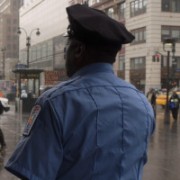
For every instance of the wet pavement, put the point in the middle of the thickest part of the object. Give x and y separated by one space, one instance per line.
164 148
164 151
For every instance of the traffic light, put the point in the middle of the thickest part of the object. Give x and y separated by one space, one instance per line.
156 57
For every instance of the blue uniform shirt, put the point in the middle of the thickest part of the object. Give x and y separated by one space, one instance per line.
94 126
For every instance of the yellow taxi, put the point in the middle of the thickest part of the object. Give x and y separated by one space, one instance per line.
161 97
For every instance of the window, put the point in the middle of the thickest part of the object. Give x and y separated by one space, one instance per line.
49 48
178 62
170 5
44 50
15 21
21 2
170 32
137 63
33 53
39 51
137 7
14 29
121 63
92 2
164 62
110 12
9 28
14 46
121 10
23 56
8 21
140 35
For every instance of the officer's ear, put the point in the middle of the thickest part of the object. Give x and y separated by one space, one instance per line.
79 52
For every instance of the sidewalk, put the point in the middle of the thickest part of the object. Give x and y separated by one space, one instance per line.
164 148
12 125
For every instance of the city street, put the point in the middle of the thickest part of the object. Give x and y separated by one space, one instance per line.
164 148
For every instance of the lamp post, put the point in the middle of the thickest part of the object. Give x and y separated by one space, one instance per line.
28 40
168 45
3 63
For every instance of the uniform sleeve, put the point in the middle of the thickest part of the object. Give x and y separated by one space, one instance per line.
38 155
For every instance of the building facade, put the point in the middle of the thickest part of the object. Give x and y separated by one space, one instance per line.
143 62
46 50
9 41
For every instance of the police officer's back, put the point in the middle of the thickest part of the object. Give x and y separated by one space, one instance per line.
94 126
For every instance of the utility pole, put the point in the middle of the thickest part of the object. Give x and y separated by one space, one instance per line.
168 45
3 50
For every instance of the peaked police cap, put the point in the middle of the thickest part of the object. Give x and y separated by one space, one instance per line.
94 26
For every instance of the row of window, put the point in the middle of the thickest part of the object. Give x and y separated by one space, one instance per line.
137 63
140 35
170 5
170 32
140 62
39 51
176 59
119 8
47 51
138 7
166 32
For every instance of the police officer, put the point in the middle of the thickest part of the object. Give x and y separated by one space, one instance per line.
174 102
151 95
93 126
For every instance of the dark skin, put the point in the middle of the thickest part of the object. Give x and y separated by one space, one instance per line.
75 56
80 54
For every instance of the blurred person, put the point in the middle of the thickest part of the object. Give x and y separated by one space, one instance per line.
1 94
2 140
93 126
174 102
151 96
31 94
24 94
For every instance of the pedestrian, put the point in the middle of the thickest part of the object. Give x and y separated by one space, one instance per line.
2 140
93 126
151 95
24 94
174 102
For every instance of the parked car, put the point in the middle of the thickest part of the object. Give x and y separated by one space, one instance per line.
5 103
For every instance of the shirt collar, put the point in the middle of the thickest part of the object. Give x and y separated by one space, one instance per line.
95 68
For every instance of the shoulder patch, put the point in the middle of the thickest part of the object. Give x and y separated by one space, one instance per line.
31 120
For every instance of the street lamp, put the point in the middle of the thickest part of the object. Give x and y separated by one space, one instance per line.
3 58
28 40
168 45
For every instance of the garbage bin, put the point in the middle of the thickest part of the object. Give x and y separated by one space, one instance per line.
27 104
